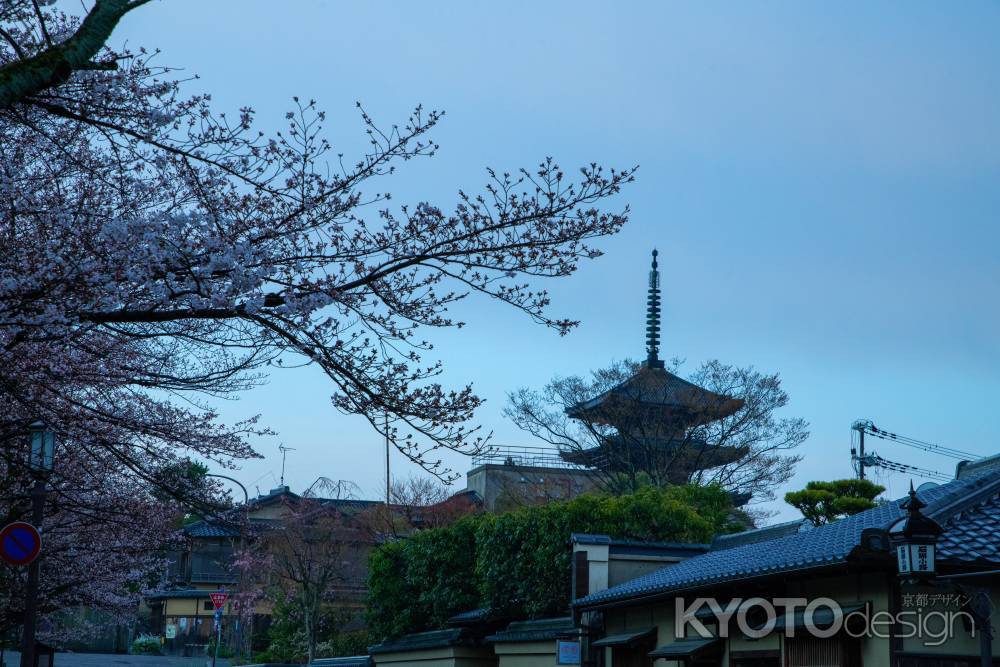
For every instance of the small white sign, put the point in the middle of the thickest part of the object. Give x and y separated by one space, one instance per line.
171 631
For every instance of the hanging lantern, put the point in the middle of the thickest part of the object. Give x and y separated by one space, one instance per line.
915 538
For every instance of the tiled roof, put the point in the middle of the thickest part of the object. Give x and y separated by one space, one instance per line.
537 630
638 547
426 640
206 529
968 508
966 468
759 534
661 388
973 534
471 616
685 648
350 661
185 593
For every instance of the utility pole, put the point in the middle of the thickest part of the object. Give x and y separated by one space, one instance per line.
387 483
860 426
861 454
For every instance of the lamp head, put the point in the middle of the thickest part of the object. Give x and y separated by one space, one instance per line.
43 447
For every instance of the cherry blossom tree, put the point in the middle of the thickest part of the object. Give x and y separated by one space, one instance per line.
157 255
154 245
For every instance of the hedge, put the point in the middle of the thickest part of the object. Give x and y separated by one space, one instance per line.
518 563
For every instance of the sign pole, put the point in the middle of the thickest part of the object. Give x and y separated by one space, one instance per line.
218 637
31 594
218 599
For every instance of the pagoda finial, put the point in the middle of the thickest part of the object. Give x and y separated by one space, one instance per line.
653 318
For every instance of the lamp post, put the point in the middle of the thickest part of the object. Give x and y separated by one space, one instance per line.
40 460
243 528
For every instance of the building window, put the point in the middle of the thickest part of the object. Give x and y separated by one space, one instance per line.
207 605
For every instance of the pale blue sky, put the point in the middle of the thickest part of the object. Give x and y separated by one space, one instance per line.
821 181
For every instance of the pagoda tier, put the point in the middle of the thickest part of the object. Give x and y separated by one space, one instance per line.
655 396
618 454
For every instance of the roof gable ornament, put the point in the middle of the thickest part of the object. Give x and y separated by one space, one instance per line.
653 318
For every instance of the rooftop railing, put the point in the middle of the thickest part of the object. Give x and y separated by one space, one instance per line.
523 456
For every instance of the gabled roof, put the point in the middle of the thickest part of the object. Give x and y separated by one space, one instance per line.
968 508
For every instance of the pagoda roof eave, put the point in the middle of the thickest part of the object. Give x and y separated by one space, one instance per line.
657 390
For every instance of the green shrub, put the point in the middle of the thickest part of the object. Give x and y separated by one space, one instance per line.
518 563
225 651
146 645
287 638
420 582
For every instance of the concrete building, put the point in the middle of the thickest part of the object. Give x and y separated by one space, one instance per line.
509 477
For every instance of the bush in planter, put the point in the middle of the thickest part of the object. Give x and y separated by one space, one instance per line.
224 650
146 645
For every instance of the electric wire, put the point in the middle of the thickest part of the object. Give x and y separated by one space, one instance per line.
895 466
950 452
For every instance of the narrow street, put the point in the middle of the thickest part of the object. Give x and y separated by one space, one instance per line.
12 659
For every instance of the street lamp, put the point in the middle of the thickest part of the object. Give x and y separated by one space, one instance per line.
43 445
243 528
915 538
40 461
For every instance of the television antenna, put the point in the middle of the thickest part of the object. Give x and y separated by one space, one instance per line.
284 452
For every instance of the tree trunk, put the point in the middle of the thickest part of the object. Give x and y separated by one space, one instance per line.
24 78
310 628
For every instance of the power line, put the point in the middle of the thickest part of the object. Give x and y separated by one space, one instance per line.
874 460
888 436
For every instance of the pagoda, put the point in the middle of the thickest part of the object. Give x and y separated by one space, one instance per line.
649 421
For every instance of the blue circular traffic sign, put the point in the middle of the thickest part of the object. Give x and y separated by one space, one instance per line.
20 543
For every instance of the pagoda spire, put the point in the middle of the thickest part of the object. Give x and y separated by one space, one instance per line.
653 318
